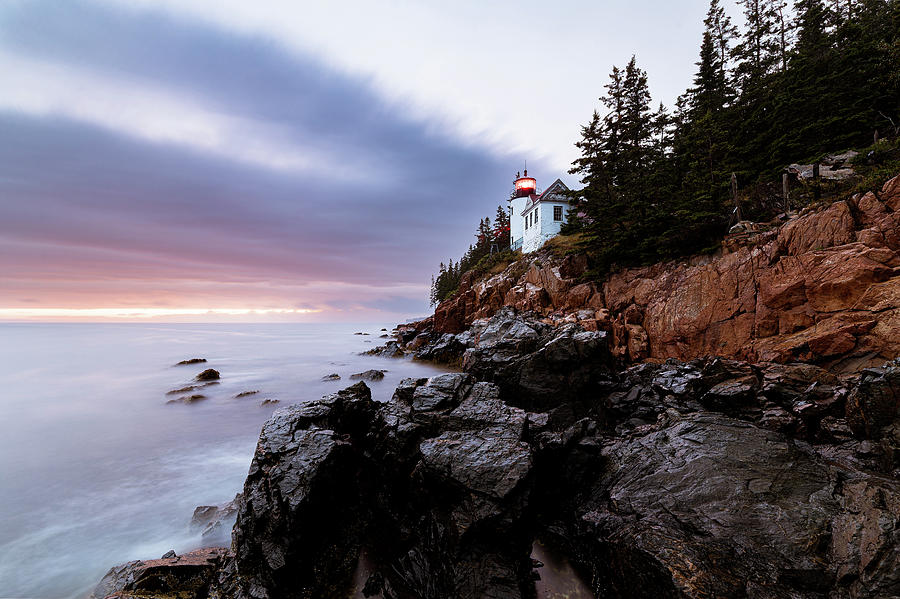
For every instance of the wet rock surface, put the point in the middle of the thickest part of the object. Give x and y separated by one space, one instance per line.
175 577
708 478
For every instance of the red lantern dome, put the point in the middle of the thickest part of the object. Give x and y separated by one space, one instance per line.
525 185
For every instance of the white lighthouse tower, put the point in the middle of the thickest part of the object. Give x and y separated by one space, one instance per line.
525 188
533 218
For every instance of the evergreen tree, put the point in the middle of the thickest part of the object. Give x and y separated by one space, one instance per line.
756 57
783 31
757 52
619 201
500 232
723 33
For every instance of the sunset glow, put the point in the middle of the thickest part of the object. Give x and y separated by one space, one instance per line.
274 163
140 313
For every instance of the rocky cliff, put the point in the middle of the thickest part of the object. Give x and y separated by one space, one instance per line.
821 288
711 478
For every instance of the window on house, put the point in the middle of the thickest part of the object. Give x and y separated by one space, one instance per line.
557 213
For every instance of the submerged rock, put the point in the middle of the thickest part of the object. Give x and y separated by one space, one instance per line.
188 399
246 394
332 377
210 374
368 375
191 361
391 349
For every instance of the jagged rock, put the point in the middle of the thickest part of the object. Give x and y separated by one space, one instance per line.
532 362
874 403
442 391
391 349
406 388
487 461
864 548
216 521
187 575
293 536
185 389
210 374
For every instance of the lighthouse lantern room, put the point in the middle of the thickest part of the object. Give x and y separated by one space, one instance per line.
525 185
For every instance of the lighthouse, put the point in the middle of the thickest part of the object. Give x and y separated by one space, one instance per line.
534 218
525 188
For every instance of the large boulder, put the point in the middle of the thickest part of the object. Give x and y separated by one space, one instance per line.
434 483
537 366
292 536
704 508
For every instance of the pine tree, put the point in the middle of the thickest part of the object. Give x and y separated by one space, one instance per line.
500 232
757 52
703 150
619 200
783 31
756 58
432 297
723 33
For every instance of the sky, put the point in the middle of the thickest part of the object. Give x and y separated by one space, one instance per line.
194 160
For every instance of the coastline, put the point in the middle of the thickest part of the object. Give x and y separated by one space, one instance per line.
670 476
99 468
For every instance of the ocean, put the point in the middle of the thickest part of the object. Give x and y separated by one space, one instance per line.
96 468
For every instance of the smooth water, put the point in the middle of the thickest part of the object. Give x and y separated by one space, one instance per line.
97 469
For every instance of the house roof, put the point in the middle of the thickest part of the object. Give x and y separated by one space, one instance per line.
554 193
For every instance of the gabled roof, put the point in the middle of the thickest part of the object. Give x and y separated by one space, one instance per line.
555 193
556 188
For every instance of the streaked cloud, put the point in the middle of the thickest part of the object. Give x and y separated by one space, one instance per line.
295 161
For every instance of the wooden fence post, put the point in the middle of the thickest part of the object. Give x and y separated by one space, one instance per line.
817 193
734 197
786 191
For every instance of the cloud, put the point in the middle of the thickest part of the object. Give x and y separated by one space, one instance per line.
145 159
